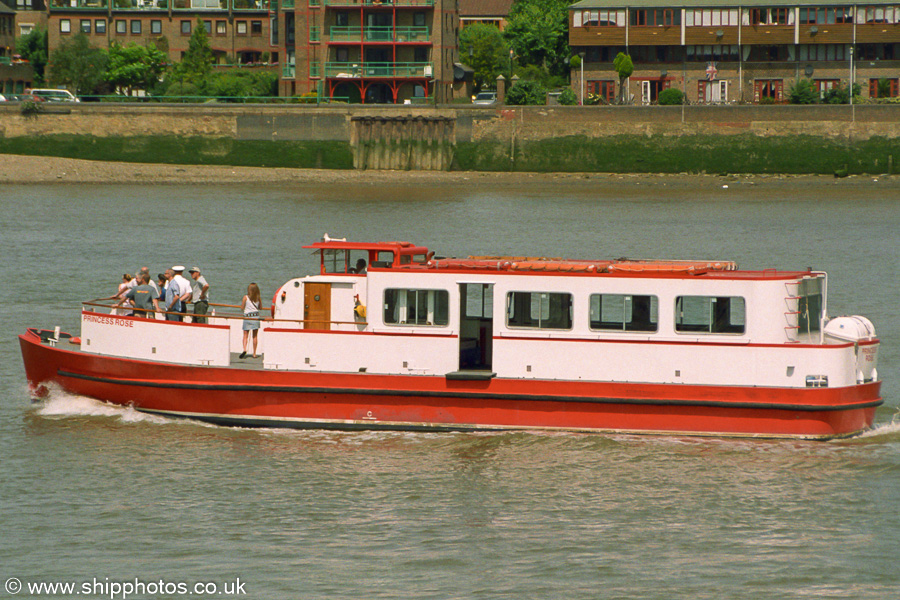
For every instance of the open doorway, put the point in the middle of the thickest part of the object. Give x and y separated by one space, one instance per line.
476 326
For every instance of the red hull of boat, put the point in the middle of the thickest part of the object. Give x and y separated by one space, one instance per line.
359 400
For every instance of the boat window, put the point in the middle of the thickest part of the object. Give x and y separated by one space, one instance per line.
384 259
540 310
416 307
809 305
620 312
709 314
335 261
419 259
343 261
479 301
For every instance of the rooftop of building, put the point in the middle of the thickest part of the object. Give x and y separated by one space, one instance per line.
484 8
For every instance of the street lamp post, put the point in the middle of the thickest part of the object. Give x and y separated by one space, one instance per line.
850 88
581 88
510 63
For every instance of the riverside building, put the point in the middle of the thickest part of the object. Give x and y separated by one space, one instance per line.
382 51
238 29
370 51
720 52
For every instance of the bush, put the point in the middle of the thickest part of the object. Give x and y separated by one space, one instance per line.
803 92
568 97
307 98
671 97
526 92
838 94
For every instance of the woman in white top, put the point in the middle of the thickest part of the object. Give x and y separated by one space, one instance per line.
250 307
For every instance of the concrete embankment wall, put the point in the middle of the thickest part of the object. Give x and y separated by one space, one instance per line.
714 139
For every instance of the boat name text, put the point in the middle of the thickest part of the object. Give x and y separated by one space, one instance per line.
109 320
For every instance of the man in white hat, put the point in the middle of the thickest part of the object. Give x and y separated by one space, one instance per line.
184 287
199 294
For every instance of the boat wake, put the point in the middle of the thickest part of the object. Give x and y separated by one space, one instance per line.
63 404
886 432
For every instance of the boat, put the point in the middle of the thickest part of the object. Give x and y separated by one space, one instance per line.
389 336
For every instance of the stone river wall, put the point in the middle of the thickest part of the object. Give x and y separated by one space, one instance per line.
714 139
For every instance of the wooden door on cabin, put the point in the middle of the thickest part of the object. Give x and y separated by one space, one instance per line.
317 306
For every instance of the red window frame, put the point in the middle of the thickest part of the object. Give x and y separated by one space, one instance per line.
605 88
894 91
776 86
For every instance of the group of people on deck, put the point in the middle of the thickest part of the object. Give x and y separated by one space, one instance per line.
171 294
142 296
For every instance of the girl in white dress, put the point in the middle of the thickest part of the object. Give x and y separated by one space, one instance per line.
250 308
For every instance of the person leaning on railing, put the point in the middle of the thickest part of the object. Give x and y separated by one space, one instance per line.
199 294
144 297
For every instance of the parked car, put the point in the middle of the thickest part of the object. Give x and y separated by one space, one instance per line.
3 98
485 98
54 95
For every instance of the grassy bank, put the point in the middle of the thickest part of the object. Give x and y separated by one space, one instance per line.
615 154
682 154
186 150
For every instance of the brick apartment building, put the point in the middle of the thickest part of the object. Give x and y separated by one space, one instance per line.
717 52
238 29
383 51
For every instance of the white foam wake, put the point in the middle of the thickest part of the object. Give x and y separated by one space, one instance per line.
886 431
63 404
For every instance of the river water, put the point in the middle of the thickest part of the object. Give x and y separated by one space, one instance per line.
101 496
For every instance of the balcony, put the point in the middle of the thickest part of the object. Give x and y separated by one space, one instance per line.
85 4
199 4
379 3
379 34
288 71
346 70
250 4
315 34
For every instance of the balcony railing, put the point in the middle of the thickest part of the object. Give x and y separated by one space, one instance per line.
379 3
250 4
315 70
393 70
199 4
85 4
287 4
379 34
288 71
315 34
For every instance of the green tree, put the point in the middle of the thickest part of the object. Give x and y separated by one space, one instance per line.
197 63
243 83
33 48
527 92
538 31
803 92
134 67
489 53
624 67
78 65
839 95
